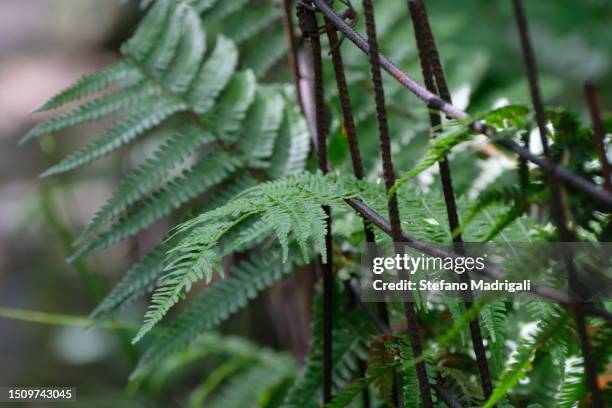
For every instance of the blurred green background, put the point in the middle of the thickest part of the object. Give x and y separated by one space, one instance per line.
47 44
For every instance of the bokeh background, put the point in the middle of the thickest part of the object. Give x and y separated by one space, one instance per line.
45 45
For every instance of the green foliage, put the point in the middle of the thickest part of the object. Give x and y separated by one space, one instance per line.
230 152
216 304
506 120
351 332
522 357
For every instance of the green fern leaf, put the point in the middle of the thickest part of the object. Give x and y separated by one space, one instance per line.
148 175
196 260
138 281
96 109
440 147
120 73
573 387
292 145
246 23
262 56
124 132
163 54
150 30
214 75
347 395
244 283
209 171
226 119
493 317
186 63
521 358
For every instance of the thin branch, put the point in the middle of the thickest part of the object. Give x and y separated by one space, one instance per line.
435 81
599 133
350 130
351 134
389 176
308 23
556 204
453 112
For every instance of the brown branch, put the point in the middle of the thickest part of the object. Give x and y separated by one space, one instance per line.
565 234
435 81
453 112
599 133
308 23
389 177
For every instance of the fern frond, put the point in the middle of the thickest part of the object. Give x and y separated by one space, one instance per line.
96 109
233 104
261 56
143 275
213 76
139 280
209 171
121 73
122 133
493 317
521 358
288 205
292 145
261 128
244 283
149 31
195 261
573 387
246 23
148 175
439 148
507 120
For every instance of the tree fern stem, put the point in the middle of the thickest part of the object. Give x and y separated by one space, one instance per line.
389 176
350 129
599 133
435 102
557 210
308 24
435 82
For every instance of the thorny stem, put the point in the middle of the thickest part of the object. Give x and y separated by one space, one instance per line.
308 24
556 208
599 133
435 81
350 130
389 176
453 112
351 133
